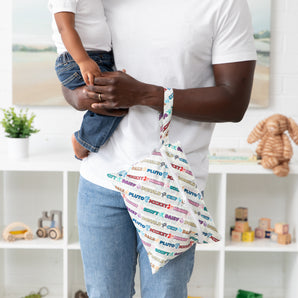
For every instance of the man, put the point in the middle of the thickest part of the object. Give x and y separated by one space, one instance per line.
205 51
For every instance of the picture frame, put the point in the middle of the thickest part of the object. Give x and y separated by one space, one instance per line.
261 20
34 81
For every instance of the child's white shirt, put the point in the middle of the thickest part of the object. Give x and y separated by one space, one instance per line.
90 23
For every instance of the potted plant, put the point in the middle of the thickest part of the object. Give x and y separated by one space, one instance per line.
18 127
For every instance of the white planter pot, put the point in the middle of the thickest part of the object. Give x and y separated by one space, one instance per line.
18 148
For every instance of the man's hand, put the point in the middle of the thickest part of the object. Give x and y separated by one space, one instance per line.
118 90
80 101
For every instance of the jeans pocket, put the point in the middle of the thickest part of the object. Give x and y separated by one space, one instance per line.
65 67
104 61
73 81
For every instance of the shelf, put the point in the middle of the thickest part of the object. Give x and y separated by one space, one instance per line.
37 243
45 155
74 246
260 245
53 162
48 180
245 168
210 247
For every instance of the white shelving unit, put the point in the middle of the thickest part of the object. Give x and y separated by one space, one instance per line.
49 181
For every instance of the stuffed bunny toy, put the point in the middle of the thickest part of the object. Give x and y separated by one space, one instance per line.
275 147
81 294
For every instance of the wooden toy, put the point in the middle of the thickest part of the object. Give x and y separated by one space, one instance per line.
236 236
247 294
275 146
241 226
248 236
281 228
273 236
265 223
231 230
268 233
284 238
17 230
81 294
241 213
41 293
55 230
259 233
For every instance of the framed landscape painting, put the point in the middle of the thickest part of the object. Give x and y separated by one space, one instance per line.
34 54
261 18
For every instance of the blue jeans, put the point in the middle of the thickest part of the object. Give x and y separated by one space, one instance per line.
95 129
110 246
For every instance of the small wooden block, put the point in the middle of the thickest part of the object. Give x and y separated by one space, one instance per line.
273 236
248 236
241 213
281 228
231 230
268 233
259 233
265 223
241 226
284 238
236 236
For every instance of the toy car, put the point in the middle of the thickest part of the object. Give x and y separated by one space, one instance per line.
54 231
10 233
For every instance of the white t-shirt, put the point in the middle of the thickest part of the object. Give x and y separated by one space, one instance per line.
170 43
90 23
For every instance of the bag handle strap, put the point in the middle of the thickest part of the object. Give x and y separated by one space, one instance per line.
166 116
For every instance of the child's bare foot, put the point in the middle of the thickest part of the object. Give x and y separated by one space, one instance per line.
78 149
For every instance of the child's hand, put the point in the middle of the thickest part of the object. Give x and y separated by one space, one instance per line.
89 70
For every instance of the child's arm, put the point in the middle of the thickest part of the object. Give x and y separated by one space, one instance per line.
66 25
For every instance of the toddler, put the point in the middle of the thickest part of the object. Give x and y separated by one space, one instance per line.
82 37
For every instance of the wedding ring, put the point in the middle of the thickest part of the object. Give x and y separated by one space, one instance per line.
99 97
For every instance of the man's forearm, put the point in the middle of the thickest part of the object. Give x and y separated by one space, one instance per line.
212 104
76 98
227 101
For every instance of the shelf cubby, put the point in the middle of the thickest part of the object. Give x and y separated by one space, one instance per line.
268 273
27 271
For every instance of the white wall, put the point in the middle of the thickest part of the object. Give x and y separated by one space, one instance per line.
283 90
284 78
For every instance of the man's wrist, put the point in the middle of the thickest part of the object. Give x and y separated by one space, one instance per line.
153 97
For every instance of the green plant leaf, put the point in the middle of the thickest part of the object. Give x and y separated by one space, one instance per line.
18 125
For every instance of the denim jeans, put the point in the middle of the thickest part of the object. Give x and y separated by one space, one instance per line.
95 129
68 71
110 247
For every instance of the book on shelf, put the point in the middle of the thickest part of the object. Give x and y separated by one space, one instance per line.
232 155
